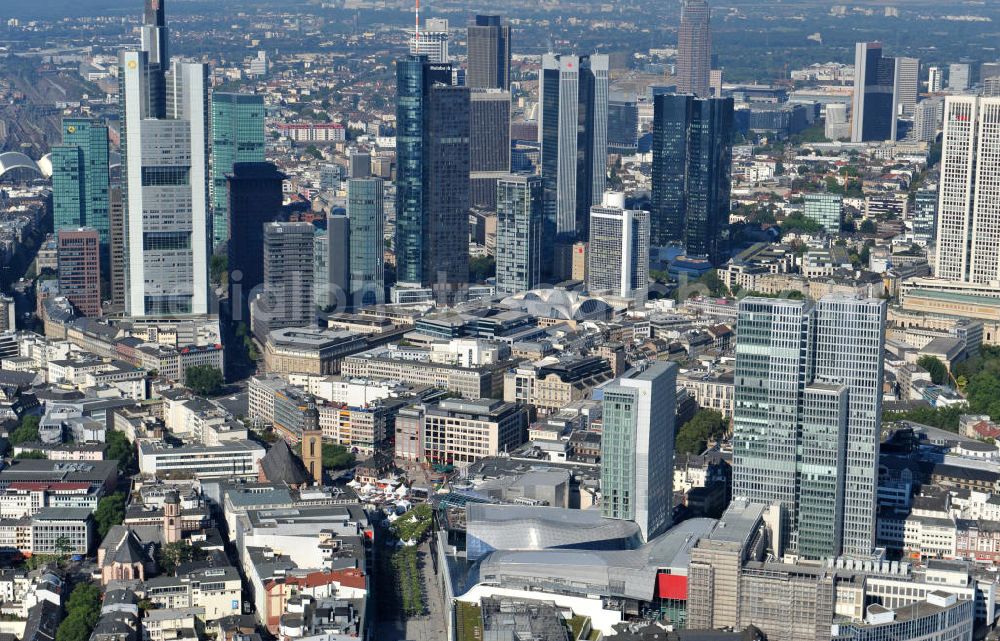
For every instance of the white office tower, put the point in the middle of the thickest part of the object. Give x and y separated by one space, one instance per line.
808 403
959 77
618 253
935 80
927 119
837 125
432 40
907 85
968 238
164 134
637 448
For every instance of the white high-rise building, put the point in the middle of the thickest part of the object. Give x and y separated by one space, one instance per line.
959 76
927 118
618 253
935 80
432 40
907 85
164 132
968 234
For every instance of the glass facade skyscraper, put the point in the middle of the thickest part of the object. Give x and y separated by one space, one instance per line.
254 198
573 132
692 174
694 49
432 176
81 177
366 208
825 209
637 448
489 144
237 136
806 422
873 116
489 54
519 233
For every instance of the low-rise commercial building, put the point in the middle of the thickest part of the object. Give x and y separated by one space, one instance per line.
235 459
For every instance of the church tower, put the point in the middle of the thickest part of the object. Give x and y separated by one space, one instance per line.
312 444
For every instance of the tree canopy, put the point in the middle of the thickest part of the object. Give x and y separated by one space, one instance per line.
934 366
704 426
110 511
83 608
26 432
203 379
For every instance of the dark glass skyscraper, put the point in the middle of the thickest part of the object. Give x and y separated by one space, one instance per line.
237 136
489 144
489 54
873 117
367 266
573 131
694 49
692 174
80 177
254 195
432 176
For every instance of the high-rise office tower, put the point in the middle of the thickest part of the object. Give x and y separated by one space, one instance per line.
618 250
807 415
287 299
873 117
926 118
366 208
692 174
81 177
637 448
573 132
623 127
907 85
968 228
237 136
359 164
79 266
520 211
959 76
331 262
489 54
489 144
935 80
432 41
164 140
254 194
694 49
432 179
116 241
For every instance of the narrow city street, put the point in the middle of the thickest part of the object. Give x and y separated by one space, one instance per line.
393 625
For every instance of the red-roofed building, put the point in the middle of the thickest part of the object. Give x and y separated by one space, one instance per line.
350 583
26 498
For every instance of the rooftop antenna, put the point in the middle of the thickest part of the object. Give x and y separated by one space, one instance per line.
416 28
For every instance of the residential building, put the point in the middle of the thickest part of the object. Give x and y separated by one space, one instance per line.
694 49
935 80
637 448
959 76
692 174
968 234
618 251
489 49
573 133
520 209
470 380
873 116
79 257
237 136
366 209
807 415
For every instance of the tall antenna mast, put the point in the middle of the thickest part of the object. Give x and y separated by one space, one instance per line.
416 29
